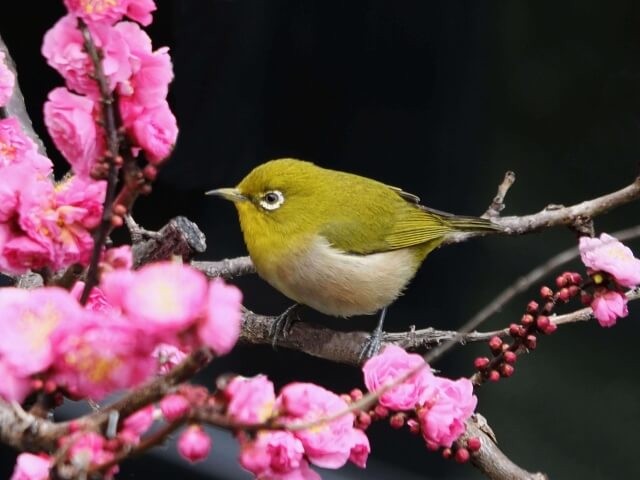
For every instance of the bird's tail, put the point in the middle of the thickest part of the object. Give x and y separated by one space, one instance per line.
472 224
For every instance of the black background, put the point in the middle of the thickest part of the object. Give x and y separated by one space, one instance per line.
441 98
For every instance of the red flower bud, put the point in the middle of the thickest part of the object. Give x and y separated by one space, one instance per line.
526 320
573 290
381 412
552 327
546 292
561 281
532 306
514 330
493 376
542 322
474 444
481 362
506 370
576 278
510 357
495 343
586 299
564 294
414 426
364 420
356 394
531 342
447 453
462 455
50 386
397 420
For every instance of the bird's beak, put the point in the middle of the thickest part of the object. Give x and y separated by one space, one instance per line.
231 194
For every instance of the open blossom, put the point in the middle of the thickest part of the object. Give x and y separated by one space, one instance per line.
194 444
110 11
391 364
16 147
70 120
251 400
444 415
276 455
156 131
167 356
32 467
89 449
99 355
329 444
608 306
609 255
29 319
221 326
63 48
162 298
7 81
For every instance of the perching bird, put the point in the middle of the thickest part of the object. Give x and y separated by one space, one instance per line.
340 243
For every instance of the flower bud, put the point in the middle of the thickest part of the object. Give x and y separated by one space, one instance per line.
495 344
564 294
414 426
561 281
474 444
546 292
531 342
194 444
526 320
532 306
462 455
510 357
174 406
586 299
397 420
576 278
514 330
573 290
552 327
447 453
506 370
481 362
493 376
542 322
356 394
364 420
381 412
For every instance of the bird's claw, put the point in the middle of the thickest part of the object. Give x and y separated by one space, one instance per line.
282 324
371 345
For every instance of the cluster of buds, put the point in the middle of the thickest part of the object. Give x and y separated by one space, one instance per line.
535 321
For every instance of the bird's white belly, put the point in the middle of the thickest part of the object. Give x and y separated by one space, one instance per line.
342 284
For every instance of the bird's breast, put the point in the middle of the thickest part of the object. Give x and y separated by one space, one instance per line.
338 283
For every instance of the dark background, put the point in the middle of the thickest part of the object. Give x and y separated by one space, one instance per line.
441 98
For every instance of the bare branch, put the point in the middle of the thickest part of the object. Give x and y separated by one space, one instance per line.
497 205
227 268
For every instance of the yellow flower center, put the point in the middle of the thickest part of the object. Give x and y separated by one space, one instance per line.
97 6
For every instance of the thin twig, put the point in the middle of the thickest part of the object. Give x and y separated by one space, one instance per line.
113 147
498 202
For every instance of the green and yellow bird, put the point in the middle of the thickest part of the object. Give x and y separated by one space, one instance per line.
340 243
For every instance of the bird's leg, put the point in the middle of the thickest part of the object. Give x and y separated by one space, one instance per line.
283 322
373 343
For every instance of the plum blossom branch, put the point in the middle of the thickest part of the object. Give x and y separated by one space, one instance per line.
113 147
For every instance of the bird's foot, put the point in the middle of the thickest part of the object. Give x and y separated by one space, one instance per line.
373 343
282 324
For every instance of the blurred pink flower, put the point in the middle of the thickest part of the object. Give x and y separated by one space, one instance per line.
156 130
89 449
96 302
608 306
444 415
29 319
174 406
12 387
360 448
71 122
251 400
63 48
609 255
100 355
329 444
117 258
167 356
110 11
7 81
194 444
136 424
221 326
276 455
156 297
32 467
391 364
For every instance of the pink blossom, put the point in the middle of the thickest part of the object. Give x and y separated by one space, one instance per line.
137 424
194 444
32 467
174 406
13 388
7 81
117 258
100 355
329 444
360 448
110 11
89 449
64 50
167 357
391 364
221 327
156 131
608 306
276 455
444 415
156 297
71 122
28 320
609 255
21 253
96 302
251 400
16 148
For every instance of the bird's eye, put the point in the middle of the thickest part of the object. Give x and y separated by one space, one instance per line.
272 200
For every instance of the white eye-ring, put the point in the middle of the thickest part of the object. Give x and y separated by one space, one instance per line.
272 200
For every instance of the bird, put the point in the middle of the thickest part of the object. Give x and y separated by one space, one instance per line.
340 243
